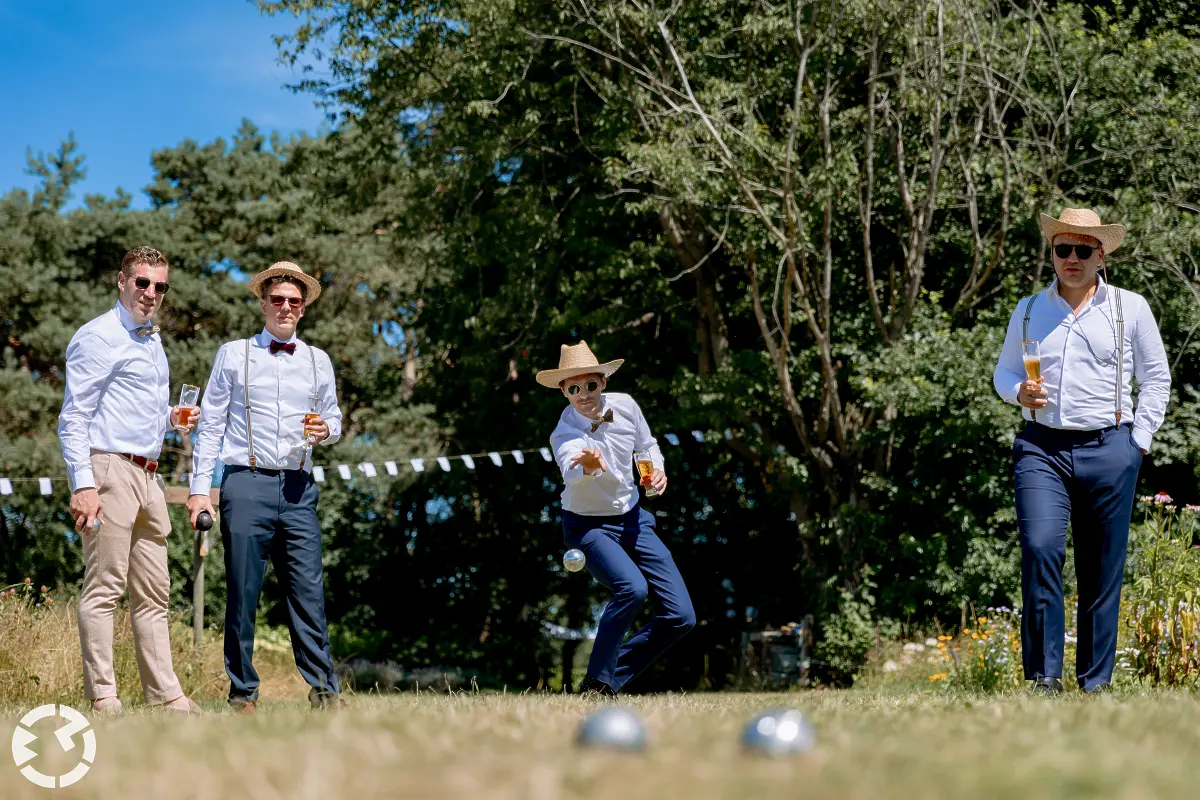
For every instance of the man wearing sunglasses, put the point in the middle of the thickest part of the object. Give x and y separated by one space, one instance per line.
594 444
268 400
114 417
1069 359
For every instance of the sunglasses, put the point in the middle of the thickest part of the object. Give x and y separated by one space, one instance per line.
575 388
1084 251
144 284
278 301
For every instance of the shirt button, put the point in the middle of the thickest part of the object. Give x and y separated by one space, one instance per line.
616 503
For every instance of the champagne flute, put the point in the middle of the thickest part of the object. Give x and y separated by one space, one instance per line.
189 403
1031 354
645 468
311 417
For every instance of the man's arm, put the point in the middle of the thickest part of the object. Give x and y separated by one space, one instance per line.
1153 375
1010 367
643 439
568 446
327 404
89 366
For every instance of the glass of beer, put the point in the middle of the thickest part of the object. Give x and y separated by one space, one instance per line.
645 468
311 418
1032 355
189 402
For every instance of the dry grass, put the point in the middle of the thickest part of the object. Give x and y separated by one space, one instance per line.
870 745
40 660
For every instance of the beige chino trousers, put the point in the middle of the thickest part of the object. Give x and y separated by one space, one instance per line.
128 550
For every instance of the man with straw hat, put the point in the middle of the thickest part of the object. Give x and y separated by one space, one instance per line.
1067 360
269 399
594 445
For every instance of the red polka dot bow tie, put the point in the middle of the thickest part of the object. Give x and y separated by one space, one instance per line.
288 348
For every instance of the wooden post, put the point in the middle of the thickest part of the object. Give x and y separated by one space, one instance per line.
178 495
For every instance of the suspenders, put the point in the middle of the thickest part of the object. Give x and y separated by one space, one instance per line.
1120 321
246 393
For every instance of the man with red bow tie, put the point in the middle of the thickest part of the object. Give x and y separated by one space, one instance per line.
269 399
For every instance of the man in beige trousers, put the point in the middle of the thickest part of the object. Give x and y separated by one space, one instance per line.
114 417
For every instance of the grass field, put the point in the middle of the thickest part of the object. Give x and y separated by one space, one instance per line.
871 744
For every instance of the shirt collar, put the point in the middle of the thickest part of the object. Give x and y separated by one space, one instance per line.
1100 296
587 421
126 318
265 338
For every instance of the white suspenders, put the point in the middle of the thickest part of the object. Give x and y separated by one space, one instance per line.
1120 322
246 393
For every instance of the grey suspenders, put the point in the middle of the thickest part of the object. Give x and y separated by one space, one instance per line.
1120 345
246 390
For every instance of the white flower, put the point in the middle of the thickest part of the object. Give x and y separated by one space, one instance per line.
891 666
931 642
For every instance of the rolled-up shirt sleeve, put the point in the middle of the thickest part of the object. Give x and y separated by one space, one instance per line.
210 430
1153 375
1010 367
566 443
328 407
89 366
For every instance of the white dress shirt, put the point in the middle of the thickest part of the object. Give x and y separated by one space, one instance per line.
1079 362
281 391
118 394
608 493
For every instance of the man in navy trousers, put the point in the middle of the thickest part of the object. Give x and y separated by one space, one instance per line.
1078 457
594 445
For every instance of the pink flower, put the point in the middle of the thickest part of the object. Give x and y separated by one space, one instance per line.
1191 508
1162 498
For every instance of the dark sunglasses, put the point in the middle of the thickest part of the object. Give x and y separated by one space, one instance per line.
575 388
278 301
144 284
1084 251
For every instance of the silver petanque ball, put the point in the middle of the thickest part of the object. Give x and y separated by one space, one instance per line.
574 560
778 732
613 729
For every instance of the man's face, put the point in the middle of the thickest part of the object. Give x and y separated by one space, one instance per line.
1074 271
142 302
583 392
283 306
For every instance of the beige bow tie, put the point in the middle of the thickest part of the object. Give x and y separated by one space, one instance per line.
146 330
607 417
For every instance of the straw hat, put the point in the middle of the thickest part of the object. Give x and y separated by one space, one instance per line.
1085 222
286 268
576 360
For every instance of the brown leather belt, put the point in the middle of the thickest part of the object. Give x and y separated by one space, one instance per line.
139 461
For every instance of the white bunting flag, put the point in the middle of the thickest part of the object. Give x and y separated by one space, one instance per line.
672 438
545 451
5 486
368 469
470 462
390 466
728 435
344 471
444 463
45 484
519 456
698 436
495 457
319 474
418 464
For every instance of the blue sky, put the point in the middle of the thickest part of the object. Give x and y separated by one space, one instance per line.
133 76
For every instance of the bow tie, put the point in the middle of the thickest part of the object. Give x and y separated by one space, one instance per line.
145 330
288 348
607 417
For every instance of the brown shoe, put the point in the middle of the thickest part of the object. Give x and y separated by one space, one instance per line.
184 705
325 701
244 706
106 705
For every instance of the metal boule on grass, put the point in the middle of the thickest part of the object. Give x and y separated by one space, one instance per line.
778 732
574 560
613 729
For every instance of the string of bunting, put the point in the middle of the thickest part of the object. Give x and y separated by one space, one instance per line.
370 469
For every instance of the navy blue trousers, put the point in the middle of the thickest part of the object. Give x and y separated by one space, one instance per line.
1087 479
625 554
271 515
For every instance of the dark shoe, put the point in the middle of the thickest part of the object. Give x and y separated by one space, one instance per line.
591 686
243 705
325 701
1050 687
1104 688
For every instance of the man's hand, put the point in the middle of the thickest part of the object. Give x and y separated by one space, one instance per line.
658 481
1031 395
191 420
197 503
591 461
317 431
85 508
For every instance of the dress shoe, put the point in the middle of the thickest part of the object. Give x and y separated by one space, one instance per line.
1050 687
1103 688
243 706
184 705
325 701
106 705
595 688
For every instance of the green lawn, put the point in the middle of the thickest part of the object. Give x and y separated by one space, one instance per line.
871 744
